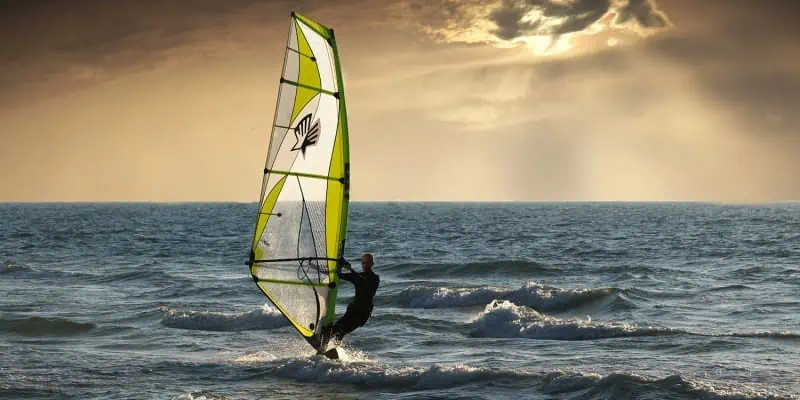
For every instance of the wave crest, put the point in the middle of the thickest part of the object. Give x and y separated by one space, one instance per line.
508 320
532 294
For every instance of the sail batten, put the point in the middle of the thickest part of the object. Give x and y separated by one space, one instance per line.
309 87
300 231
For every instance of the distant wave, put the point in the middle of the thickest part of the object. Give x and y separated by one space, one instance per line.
11 267
726 288
767 274
765 334
504 319
26 390
144 273
632 271
410 321
595 252
748 272
510 268
40 326
259 319
532 294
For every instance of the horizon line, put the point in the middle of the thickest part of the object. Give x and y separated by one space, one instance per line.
178 202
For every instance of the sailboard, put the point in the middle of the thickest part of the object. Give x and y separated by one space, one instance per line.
301 226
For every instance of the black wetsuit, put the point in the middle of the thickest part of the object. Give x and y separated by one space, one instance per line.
360 309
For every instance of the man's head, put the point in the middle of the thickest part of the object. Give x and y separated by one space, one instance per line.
367 261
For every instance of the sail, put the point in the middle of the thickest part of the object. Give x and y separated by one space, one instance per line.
302 218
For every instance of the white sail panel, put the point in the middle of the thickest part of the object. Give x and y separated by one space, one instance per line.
321 51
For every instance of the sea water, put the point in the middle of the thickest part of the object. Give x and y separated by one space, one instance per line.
477 300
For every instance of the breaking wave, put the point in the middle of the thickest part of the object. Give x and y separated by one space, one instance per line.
504 319
534 295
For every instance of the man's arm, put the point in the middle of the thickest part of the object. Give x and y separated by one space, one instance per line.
352 276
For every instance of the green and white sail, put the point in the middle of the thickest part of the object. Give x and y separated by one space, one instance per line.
300 232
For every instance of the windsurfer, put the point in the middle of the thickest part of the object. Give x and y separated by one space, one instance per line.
360 309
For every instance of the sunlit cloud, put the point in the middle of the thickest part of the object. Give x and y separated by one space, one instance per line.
545 27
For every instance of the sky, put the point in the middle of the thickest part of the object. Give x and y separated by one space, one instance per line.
448 100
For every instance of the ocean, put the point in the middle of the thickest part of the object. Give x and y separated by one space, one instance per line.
477 300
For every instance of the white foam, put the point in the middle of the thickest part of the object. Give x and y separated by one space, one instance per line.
258 319
508 320
254 358
532 294
201 395
724 390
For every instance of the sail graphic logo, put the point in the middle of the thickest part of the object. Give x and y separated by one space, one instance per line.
306 133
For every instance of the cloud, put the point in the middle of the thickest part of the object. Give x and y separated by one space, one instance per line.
703 114
642 15
53 47
544 25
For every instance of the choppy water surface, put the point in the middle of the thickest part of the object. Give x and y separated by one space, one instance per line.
540 301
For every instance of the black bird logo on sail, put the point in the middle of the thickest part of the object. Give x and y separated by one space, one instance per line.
306 133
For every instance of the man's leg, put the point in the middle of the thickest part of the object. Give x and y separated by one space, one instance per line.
352 319
348 323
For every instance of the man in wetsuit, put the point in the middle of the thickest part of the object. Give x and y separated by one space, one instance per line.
360 309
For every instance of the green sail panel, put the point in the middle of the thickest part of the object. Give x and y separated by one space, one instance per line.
301 226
